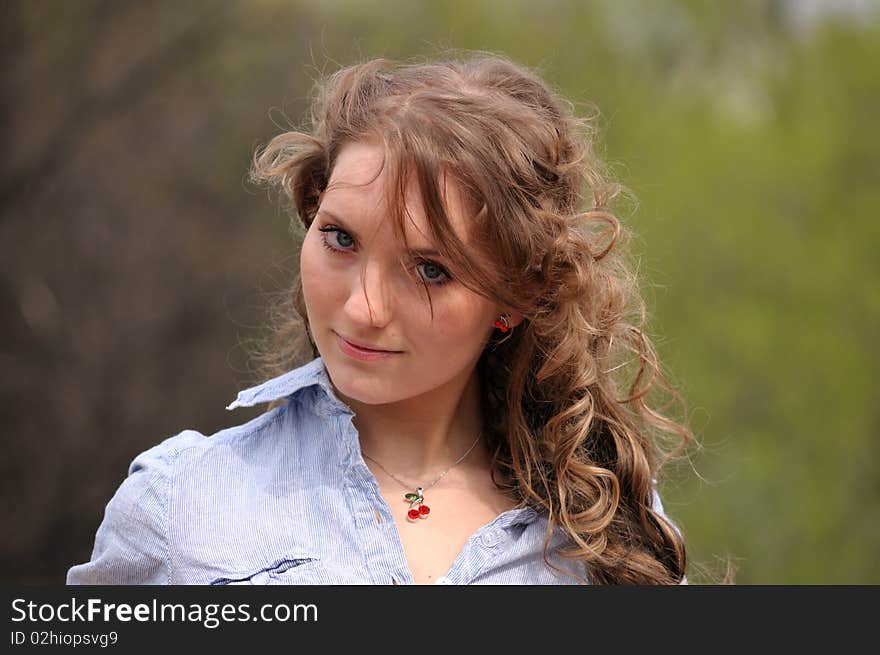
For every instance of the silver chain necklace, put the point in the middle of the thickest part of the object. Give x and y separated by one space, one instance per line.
416 500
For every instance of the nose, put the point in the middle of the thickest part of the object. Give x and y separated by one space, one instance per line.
371 300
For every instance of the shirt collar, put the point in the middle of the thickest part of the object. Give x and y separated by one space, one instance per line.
311 374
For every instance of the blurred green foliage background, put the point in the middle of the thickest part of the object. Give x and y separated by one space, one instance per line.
135 263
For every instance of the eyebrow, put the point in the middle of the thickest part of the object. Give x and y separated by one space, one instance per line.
423 252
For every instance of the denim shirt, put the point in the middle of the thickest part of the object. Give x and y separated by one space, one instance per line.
286 498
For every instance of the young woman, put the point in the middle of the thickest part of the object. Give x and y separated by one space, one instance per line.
461 328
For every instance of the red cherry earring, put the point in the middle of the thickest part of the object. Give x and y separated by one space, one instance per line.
502 323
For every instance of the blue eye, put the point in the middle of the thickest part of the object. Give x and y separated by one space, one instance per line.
339 233
344 237
433 273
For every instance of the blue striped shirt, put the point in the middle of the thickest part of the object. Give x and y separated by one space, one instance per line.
286 498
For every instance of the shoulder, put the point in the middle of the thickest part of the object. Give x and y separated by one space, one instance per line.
188 484
162 456
160 460
134 543
131 544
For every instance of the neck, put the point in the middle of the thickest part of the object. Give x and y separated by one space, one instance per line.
419 438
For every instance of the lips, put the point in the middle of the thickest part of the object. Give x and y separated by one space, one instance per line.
361 346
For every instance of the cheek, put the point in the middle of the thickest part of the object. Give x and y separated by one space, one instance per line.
313 273
460 320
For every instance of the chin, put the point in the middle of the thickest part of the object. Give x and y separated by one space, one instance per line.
364 393
360 385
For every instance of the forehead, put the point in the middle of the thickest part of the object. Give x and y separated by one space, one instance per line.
355 192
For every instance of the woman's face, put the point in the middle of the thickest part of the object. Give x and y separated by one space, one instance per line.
350 255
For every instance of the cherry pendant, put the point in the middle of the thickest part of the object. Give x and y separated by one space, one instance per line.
417 508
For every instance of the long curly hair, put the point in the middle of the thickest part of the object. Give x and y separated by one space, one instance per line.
564 439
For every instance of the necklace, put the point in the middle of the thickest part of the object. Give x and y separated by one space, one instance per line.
416 500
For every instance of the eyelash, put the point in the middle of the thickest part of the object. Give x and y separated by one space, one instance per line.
339 251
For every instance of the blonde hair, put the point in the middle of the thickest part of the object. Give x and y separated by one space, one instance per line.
562 437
